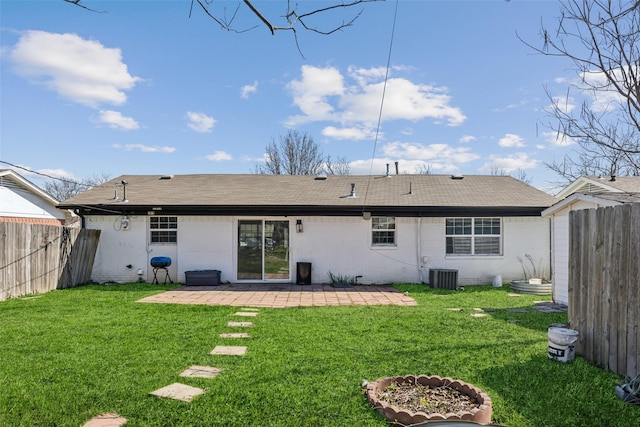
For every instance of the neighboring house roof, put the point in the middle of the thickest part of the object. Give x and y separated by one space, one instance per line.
595 184
401 195
597 199
23 201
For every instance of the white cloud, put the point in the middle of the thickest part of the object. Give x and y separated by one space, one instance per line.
464 139
558 139
324 94
58 173
83 71
565 104
218 156
248 89
511 140
509 163
116 120
145 148
351 133
410 166
439 153
200 122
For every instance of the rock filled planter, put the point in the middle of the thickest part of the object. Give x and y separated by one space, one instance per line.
434 399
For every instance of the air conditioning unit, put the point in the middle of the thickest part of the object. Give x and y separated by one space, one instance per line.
443 278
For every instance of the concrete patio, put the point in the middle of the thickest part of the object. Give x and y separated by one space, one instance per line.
282 295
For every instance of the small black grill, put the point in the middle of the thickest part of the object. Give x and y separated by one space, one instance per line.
160 263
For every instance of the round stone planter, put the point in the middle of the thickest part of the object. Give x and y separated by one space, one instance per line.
403 417
525 287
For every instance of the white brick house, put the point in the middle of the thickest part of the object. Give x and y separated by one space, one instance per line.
256 228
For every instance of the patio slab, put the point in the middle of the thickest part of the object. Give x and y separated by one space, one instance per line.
201 372
240 324
234 335
262 295
109 419
225 350
177 391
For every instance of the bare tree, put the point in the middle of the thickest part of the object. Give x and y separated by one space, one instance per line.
423 169
602 40
338 167
519 174
298 154
291 17
63 189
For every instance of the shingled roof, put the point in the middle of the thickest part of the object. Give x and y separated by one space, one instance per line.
408 195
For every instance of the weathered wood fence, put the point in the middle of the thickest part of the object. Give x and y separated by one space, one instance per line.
38 258
604 286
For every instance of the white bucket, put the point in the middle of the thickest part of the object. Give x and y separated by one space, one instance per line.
562 344
497 281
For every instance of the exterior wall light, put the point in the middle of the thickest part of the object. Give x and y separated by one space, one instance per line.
299 227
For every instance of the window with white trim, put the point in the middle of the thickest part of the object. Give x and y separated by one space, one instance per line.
383 231
474 236
163 229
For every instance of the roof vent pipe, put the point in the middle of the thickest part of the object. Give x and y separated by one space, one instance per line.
396 168
387 175
410 189
613 178
353 190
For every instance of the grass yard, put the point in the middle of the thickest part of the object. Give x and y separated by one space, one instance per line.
69 355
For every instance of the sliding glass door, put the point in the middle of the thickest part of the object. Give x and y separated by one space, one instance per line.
263 250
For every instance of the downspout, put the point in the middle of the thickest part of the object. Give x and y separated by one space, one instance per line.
419 249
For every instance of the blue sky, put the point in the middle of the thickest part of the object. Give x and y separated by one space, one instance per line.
146 89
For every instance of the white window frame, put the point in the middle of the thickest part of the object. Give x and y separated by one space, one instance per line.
473 236
389 228
168 228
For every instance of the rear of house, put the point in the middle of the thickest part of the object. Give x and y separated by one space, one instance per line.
263 228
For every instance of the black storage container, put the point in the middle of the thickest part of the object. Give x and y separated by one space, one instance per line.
202 277
303 273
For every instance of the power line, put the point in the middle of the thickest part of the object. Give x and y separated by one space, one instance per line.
68 181
384 90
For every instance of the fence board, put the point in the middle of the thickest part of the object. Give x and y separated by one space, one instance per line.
604 277
35 258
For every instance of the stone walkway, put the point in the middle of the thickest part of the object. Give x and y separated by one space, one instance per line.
282 296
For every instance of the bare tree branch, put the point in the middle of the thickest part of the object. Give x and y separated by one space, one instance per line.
602 40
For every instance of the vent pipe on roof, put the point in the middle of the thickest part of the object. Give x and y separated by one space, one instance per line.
396 168
353 190
387 174
613 178
410 189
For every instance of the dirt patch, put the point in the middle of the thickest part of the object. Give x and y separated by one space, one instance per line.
430 400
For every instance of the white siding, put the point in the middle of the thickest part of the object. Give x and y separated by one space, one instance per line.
560 248
341 245
16 202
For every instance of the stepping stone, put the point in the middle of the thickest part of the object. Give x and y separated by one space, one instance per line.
513 295
249 309
517 310
108 419
240 324
178 391
235 335
478 314
486 310
454 309
246 313
201 372
229 350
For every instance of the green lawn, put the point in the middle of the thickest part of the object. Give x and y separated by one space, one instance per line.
69 355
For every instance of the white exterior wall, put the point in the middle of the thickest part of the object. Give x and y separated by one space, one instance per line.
24 204
341 245
560 248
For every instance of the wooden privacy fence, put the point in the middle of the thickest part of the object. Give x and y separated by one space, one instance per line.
37 258
604 283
